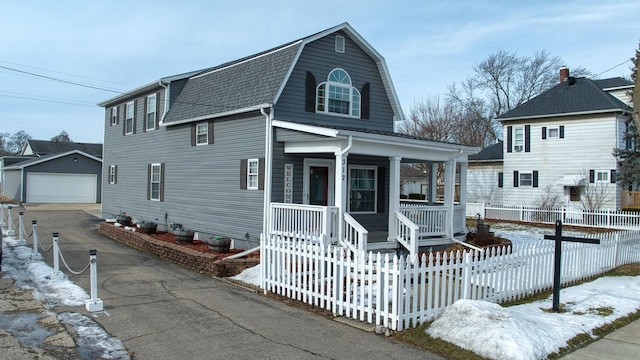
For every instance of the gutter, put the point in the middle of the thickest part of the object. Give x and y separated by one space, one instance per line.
166 100
268 117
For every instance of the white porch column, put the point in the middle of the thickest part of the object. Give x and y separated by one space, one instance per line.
463 183
449 190
433 183
340 193
394 192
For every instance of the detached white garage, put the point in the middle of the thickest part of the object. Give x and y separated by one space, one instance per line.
61 188
71 177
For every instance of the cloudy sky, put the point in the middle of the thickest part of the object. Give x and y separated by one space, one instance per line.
59 58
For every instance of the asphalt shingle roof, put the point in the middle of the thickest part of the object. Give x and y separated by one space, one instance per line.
493 152
583 95
45 147
240 84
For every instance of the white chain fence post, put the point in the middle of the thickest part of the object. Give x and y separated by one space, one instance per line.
10 232
57 274
1 216
21 240
35 255
94 304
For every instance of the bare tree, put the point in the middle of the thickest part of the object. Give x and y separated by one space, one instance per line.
17 141
635 76
62 137
595 194
4 144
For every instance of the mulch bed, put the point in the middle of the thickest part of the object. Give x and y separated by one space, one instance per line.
198 245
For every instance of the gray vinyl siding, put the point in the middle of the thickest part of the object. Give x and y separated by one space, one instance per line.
201 183
66 165
319 57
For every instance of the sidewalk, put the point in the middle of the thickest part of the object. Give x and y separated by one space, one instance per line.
623 343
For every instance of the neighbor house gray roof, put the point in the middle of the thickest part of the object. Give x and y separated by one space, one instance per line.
494 152
571 97
44 147
37 160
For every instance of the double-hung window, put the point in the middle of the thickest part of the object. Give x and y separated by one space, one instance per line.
128 121
114 115
202 133
518 139
337 95
252 174
362 189
526 179
112 174
155 182
151 112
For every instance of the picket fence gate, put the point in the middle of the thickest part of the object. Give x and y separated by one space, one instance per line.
396 293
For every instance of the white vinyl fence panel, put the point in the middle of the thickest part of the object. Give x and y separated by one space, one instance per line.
397 292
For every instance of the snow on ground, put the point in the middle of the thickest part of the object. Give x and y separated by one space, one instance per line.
93 342
529 331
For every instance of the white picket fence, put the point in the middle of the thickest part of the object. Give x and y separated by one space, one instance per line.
398 293
612 219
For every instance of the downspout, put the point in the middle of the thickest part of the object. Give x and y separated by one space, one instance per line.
268 117
166 100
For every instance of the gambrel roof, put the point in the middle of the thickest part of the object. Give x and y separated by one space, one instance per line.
257 81
249 83
574 96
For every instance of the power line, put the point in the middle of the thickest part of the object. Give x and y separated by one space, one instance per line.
44 98
622 63
61 80
60 72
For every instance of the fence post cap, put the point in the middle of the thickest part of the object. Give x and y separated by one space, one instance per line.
93 252
34 221
55 234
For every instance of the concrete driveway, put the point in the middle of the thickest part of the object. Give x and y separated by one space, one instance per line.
162 311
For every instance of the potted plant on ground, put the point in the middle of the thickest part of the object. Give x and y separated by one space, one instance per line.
147 227
219 244
182 235
124 219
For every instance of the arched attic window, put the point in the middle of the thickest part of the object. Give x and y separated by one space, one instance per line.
337 95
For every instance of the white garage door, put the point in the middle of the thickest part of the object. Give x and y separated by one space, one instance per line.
61 188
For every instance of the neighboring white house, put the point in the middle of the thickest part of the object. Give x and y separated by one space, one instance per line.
485 175
560 142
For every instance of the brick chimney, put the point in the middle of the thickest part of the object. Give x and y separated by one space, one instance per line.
564 74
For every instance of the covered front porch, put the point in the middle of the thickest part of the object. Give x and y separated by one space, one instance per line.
348 190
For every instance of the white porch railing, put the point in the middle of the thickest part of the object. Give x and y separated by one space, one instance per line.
355 236
431 220
406 233
312 222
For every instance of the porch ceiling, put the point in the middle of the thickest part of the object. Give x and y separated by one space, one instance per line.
305 139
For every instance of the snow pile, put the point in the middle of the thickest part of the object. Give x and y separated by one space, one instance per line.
532 331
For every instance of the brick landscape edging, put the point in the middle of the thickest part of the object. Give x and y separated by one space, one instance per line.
204 263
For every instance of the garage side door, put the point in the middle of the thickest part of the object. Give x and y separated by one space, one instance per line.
61 188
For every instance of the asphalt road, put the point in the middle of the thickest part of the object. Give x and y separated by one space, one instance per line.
162 311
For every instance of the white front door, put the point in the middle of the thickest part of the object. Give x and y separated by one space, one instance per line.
319 183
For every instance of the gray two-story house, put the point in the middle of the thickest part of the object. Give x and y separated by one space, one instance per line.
298 139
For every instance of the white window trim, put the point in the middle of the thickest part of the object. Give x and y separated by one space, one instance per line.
250 174
375 188
206 133
557 130
530 173
130 105
159 181
352 92
602 181
518 147
114 115
340 44
151 110
112 174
